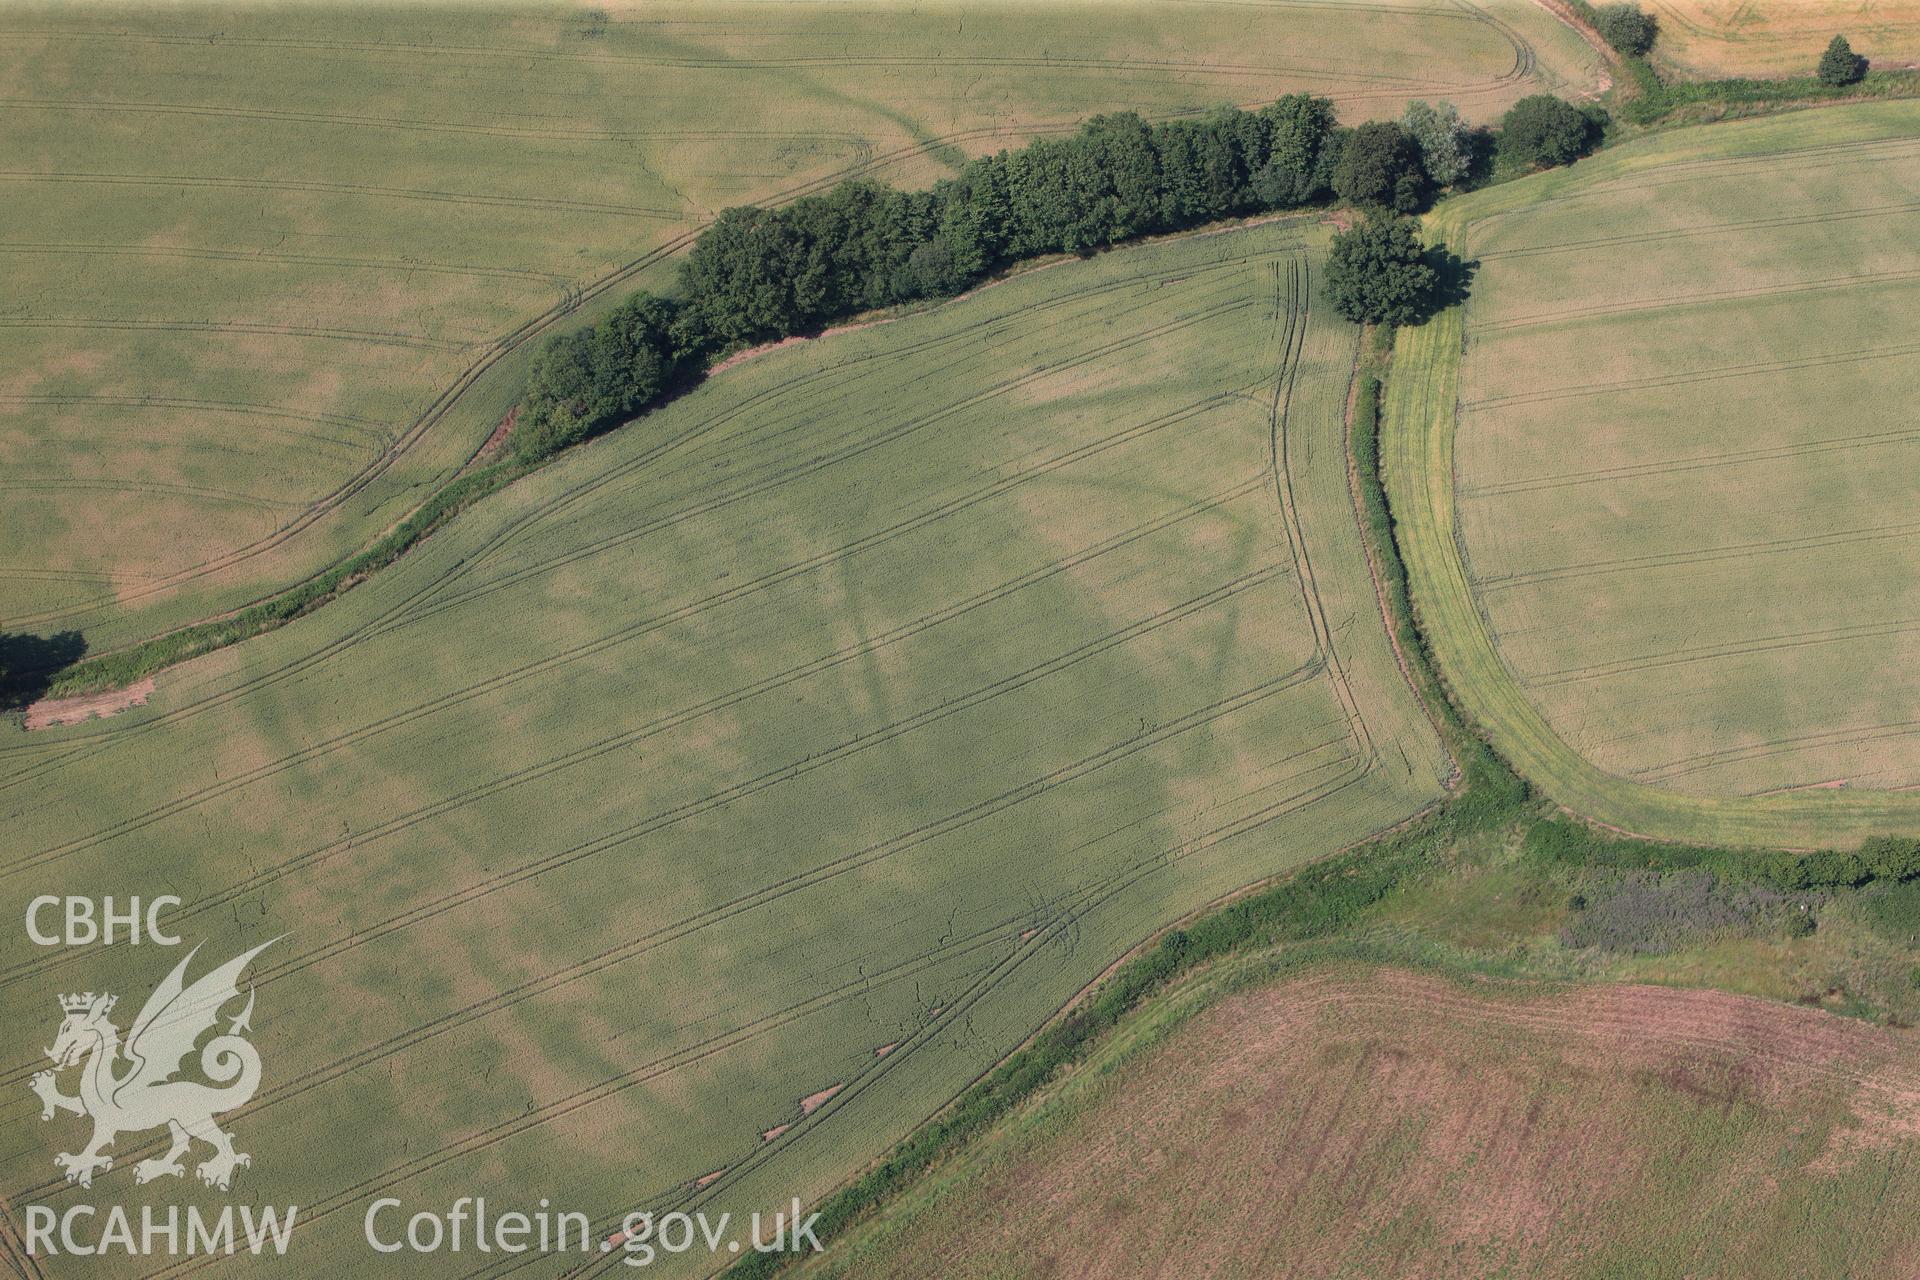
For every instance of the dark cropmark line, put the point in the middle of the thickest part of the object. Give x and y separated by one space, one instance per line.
1696 462
272 414
358 190
1524 62
1703 229
371 337
1716 373
588 1097
35 969
992 806
62 483
692 609
1703 555
784 397
1678 301
1718 652
271 258
824 462
1672 173
1058 929
850 61
1691 764
102 740
621 635
1099 760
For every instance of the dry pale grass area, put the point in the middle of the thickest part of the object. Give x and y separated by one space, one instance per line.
1387 1123
1781 37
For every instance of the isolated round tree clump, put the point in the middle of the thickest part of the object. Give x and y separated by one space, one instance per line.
1626 27
1840 65
1378 273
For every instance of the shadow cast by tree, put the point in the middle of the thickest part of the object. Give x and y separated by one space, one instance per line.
1452 280
28 664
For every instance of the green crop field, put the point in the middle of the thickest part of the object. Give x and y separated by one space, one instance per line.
273 273
1658 518
815 737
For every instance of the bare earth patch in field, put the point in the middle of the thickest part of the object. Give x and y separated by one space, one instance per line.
1382 1122
54 711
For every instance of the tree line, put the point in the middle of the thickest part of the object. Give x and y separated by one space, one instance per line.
760 274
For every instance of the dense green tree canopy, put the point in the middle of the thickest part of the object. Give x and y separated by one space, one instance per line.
1626 27
1840 65
1543 130
1379 273
1302 148
1380 169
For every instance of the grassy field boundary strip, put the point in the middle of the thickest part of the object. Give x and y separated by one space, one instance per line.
1421 418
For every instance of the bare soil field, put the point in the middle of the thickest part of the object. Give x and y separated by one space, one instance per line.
1382 1122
